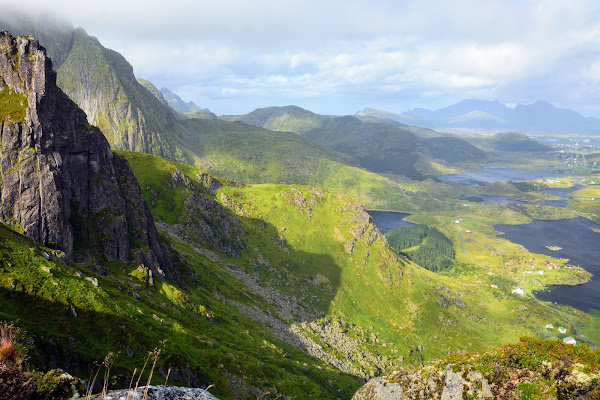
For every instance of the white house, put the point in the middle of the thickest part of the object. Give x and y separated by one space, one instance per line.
549 326
519 291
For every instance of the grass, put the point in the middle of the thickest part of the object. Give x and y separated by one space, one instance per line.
396 289
592 191
218 350
254 155
11 337
13 106
309 256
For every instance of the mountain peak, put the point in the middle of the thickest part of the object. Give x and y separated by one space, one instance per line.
177 103
538 104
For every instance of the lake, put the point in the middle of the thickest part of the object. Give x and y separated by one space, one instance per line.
580 244
503 200
558 192
499 174
564 192
385 221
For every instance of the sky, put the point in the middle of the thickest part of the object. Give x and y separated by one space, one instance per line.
340 56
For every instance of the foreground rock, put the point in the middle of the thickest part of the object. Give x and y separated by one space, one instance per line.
60 179
531 369
159 393
428 383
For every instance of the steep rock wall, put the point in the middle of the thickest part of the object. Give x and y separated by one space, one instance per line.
60 180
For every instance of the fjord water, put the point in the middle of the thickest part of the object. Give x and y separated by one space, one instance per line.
503 200
385 221
580 244
563 193
498 174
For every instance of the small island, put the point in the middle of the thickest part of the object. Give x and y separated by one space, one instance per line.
554 248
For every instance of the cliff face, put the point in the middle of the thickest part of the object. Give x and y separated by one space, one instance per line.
61 183
101 82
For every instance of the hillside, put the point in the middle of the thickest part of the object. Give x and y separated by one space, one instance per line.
85 273
516 141
286 119
280 288
378 146
367 309
246 153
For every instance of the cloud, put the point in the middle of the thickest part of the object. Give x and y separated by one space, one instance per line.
338 55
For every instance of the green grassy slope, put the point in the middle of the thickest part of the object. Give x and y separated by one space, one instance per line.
246 153
298 290
378 146
73 323
319 247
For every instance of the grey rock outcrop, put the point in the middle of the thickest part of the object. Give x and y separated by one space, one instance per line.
159 393
428 383
60 179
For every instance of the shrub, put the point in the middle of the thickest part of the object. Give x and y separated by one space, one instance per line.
10 338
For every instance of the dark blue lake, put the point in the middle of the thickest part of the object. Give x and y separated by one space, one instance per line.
498 174
503 200
564 192
580 244
385 221
558 192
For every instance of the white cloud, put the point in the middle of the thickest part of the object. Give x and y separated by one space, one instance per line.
338 55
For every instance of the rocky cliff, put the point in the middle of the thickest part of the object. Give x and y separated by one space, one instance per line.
101 82
61 183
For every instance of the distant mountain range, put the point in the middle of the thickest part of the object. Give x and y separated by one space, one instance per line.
540 116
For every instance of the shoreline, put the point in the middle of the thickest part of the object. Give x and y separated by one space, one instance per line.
396 211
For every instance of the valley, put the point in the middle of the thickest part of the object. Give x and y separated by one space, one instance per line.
258 252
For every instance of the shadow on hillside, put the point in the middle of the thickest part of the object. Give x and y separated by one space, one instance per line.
311 280
274 288
211 353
